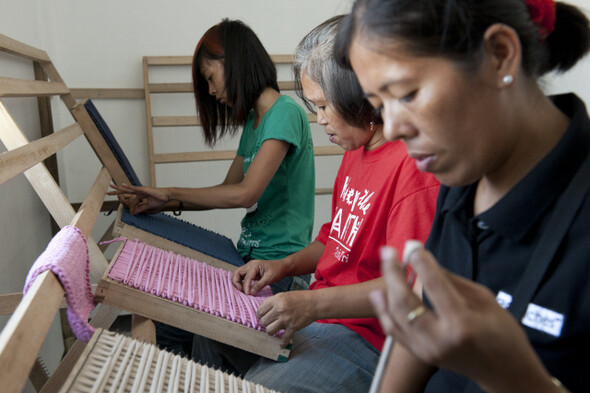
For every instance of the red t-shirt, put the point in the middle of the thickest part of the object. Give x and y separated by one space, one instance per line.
379 198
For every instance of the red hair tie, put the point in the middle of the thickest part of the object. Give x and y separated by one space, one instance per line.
543 15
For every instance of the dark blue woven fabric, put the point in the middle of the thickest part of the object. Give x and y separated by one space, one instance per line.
112 142
187 234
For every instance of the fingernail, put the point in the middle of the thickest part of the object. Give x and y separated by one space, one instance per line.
387 253
376 298
409 248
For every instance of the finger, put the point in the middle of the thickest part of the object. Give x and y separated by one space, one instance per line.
273 327
250 276
395 280
264 308
237 278
263 280
286 337
379 302
441 291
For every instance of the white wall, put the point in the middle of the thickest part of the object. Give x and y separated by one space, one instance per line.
100 44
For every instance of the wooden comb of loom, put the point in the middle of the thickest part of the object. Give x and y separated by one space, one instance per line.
165 286
112 362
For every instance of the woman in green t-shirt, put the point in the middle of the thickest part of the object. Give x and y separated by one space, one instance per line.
272 174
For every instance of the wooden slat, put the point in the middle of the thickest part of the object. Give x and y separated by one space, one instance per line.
168 60
189 121
53 75
31 320
148 114
190 319
86 216
12 87
171 87
9 302
220 155
14 162
15 47
186 87
188 60
102 150
52 196
107 93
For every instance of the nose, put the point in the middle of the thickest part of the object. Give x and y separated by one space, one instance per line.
395 123
211 89
321 118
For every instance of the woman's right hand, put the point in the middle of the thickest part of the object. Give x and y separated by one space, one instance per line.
140 199
256 274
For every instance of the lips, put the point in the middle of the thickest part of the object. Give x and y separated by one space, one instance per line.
423 161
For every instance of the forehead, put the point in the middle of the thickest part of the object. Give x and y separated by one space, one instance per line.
311 89
210 65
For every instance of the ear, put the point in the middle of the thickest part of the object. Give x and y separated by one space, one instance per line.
503 49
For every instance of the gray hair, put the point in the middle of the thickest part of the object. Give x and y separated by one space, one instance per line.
314 58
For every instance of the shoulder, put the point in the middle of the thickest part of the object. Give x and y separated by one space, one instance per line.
285 105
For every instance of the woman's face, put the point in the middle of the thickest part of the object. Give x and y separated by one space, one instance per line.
347 136
212 71
447 118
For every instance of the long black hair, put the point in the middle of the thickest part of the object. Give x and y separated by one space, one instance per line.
248 70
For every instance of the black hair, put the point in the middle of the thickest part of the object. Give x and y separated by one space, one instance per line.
455 28
248 70
314 57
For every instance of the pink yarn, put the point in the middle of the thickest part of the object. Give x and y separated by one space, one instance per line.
66 256
186 281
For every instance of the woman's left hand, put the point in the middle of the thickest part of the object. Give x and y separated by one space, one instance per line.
466 331
291 311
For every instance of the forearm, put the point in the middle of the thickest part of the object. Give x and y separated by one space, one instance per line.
304 261
346 301
404 373
223 196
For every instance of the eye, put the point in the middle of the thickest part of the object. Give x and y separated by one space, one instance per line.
409 97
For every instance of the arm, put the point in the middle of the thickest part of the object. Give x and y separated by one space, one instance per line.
269 272
405 373
296 309
466 331
235 191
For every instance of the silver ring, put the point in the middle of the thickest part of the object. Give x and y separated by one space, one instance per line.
415 313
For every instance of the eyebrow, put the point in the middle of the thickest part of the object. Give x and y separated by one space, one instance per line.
385 85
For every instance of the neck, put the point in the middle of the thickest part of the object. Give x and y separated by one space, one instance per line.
537 132
376 138
264 102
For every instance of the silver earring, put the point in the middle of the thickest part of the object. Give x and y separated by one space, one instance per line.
372 126
508 79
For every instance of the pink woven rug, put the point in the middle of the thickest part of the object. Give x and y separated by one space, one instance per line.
187 281
66 256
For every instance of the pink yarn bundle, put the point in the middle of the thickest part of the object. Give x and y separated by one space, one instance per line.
66 256
187 281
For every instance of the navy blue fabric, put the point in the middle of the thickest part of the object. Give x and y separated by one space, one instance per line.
109 138
187 234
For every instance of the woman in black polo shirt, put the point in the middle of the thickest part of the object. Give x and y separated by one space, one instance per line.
456 80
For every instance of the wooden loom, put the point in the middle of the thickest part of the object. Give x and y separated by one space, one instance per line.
23 336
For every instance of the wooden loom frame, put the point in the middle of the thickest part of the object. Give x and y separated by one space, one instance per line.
25 157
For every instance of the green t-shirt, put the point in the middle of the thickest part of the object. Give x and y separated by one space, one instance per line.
281 222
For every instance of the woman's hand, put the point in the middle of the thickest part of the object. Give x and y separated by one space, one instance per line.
466 331
256 274
140 199
290 311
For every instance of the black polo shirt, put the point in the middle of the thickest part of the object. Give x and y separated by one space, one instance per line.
494 248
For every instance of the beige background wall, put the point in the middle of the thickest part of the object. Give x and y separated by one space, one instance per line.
100 44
